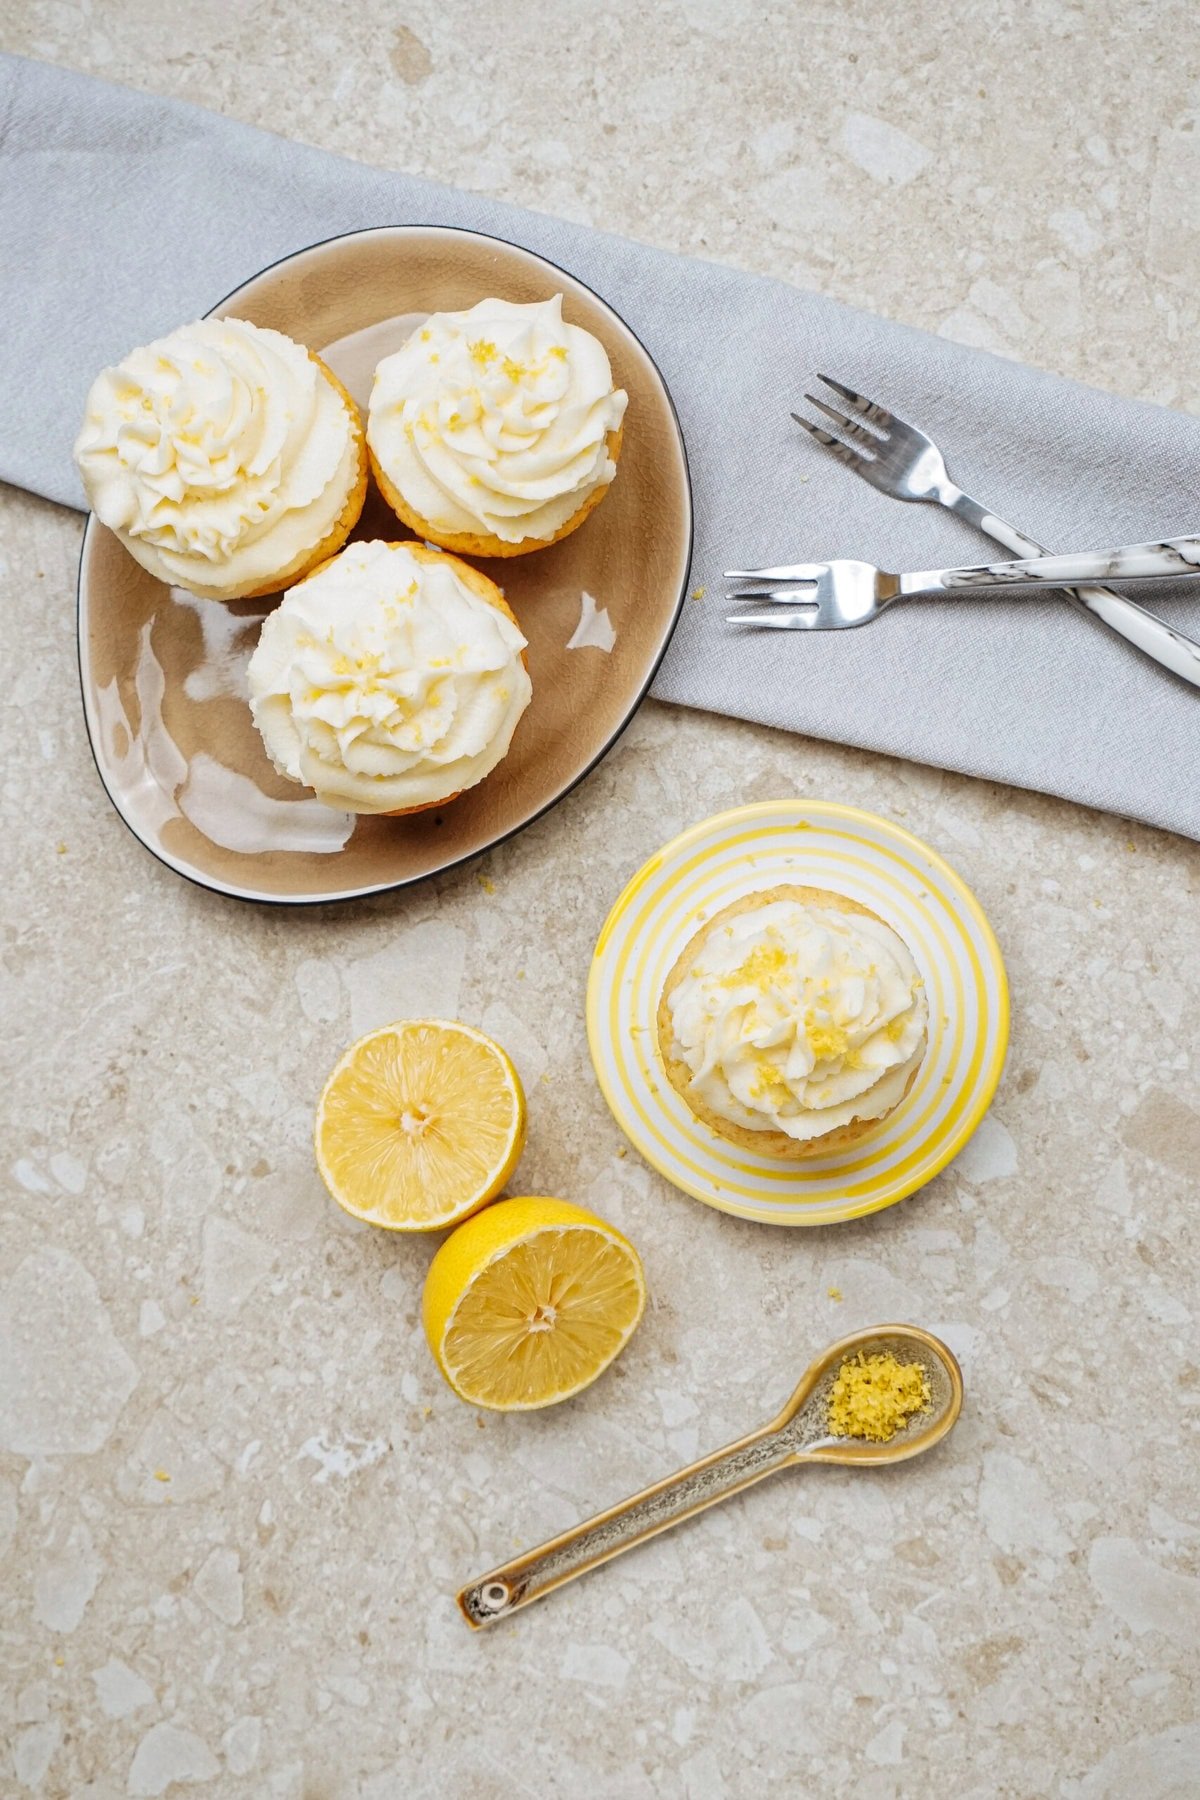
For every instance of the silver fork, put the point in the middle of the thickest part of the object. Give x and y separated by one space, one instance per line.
903 462
836 596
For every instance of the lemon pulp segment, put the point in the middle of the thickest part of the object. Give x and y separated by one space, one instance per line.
420 1123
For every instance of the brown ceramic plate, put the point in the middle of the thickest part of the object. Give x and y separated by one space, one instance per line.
163 673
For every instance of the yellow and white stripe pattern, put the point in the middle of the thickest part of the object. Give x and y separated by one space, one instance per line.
818 844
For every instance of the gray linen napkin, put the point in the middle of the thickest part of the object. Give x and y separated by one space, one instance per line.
124 215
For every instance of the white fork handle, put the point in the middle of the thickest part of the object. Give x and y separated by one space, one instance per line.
1124 562
1146 632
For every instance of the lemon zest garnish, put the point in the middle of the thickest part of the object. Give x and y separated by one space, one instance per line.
483 352
825 1039
874 1397
768 1080
761 968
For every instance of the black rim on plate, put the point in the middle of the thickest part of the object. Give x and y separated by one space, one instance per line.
386 887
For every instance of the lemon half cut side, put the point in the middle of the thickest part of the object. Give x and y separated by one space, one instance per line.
529 1301
420 1124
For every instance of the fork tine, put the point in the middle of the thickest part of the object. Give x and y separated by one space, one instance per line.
858 401
857 433
789 596
770 621
869 408
784 572
831 443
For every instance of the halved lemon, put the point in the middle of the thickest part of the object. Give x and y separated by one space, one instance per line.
528 1302
421 1123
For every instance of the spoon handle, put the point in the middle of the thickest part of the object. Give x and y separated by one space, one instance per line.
528 1577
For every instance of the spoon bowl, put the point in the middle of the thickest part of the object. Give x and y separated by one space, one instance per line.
799 1433
804 1416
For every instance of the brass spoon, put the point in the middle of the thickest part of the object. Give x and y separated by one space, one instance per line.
799 1434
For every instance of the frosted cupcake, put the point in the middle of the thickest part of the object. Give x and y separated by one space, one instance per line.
496 431
794 1021
226 458
390 680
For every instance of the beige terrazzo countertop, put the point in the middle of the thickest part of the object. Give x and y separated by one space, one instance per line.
1019 1615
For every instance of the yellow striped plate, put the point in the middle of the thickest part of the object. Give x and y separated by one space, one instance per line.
820 844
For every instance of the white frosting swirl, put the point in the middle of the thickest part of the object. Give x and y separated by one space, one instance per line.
218 455
496 420
800 1019
383 682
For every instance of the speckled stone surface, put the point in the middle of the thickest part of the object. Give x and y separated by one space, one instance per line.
1017 1616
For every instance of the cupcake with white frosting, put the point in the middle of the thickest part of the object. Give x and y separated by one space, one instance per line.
496 431
226 458
390 680
794 1021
